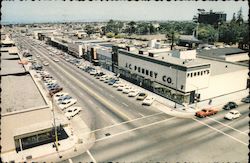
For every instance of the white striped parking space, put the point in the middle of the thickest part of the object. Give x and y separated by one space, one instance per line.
91 156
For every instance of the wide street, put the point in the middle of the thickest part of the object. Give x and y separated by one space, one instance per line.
126 131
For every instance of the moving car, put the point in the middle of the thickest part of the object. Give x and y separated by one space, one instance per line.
148 100
45 63
246 99
72 111
233 114
141 96
67 103
55 59
230 105
206 112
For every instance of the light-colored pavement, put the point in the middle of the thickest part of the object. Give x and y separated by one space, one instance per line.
165 138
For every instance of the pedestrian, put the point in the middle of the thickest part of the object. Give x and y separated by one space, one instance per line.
210 102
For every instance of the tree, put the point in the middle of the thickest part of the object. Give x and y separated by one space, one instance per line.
207 33
233 19
239 17
89 29
110 35
131 27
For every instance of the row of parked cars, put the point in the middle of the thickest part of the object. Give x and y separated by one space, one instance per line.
115 82
61 99
232 114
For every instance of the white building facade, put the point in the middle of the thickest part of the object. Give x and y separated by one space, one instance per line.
181 80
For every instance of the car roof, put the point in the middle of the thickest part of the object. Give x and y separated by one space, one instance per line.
234 111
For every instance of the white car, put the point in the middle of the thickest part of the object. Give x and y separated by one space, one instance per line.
93 72
67 103
148 100
72 111
133 93
117 84
59 94
45 63
102 78
127 89
55 59
121 87
233 114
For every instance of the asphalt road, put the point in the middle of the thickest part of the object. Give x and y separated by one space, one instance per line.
143 134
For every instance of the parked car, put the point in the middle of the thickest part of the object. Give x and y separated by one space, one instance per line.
141 96
117 84
230 105
246 99
121 87
133 93
127 89
67 103
102 78
55 90
50 84
148 100
112 81
206 112
72 111
63 98
232 114
59 94
93 72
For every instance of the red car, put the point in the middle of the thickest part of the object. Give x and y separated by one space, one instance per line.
55 90
206 112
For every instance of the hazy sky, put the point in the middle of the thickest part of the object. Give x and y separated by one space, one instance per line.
49 11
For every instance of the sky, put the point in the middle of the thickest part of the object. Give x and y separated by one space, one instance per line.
55 10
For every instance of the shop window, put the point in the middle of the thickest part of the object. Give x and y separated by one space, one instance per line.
135 68
208 72
188 74
142 70
198 73
195 74
139 69
191 74
204 72
146 72
201 73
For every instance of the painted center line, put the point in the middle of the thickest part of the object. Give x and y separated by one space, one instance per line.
90 155
225 125
221 132
125 104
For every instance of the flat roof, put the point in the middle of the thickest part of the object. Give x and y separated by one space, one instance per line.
9 64
220 52
19 93
164 59
11 122
223 67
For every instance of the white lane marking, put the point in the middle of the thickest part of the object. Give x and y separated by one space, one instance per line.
137 128
221 132
99 88
70 160
227 125
125 104
104 101
247 131
90 101
90 155
141 114
118 124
